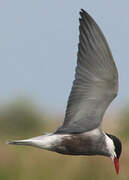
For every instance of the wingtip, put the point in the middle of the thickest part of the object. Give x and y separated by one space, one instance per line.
81 12
84 14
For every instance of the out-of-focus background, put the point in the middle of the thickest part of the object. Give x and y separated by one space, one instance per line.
38 52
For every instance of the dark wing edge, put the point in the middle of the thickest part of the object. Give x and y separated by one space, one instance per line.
96 80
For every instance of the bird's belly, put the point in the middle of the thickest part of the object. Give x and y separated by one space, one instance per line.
76 145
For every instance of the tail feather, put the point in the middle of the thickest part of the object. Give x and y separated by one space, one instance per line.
44 142
19 142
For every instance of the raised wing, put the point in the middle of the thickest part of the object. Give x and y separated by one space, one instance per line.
96 80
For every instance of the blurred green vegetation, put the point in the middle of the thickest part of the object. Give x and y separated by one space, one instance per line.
20 117
23 119
124 123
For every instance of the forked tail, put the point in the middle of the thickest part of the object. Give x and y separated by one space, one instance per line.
19 142
48 141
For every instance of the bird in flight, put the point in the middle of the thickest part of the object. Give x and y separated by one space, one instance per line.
94 88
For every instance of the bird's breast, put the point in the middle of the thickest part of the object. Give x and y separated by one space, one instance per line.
78 144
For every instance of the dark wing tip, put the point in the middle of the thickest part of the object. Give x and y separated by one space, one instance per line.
82 11
86 18
84 14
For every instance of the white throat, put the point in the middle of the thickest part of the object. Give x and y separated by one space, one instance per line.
110 146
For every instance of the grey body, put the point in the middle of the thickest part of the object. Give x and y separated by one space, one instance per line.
83 144
94 88
88 143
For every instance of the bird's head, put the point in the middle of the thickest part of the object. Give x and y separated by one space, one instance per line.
114 147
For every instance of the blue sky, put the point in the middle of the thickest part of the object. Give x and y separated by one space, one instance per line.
38 47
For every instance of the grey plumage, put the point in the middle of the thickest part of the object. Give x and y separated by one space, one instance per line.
96 80
94 88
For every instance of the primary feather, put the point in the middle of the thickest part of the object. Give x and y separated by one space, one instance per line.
96 80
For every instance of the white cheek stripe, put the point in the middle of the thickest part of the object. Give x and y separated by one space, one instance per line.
110 147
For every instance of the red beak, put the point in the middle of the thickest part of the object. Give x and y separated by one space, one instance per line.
116 164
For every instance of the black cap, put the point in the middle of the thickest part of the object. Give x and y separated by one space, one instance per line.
117 144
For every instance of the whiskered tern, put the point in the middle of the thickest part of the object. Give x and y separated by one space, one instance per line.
94 88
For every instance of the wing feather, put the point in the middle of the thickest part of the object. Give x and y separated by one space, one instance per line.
96 80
